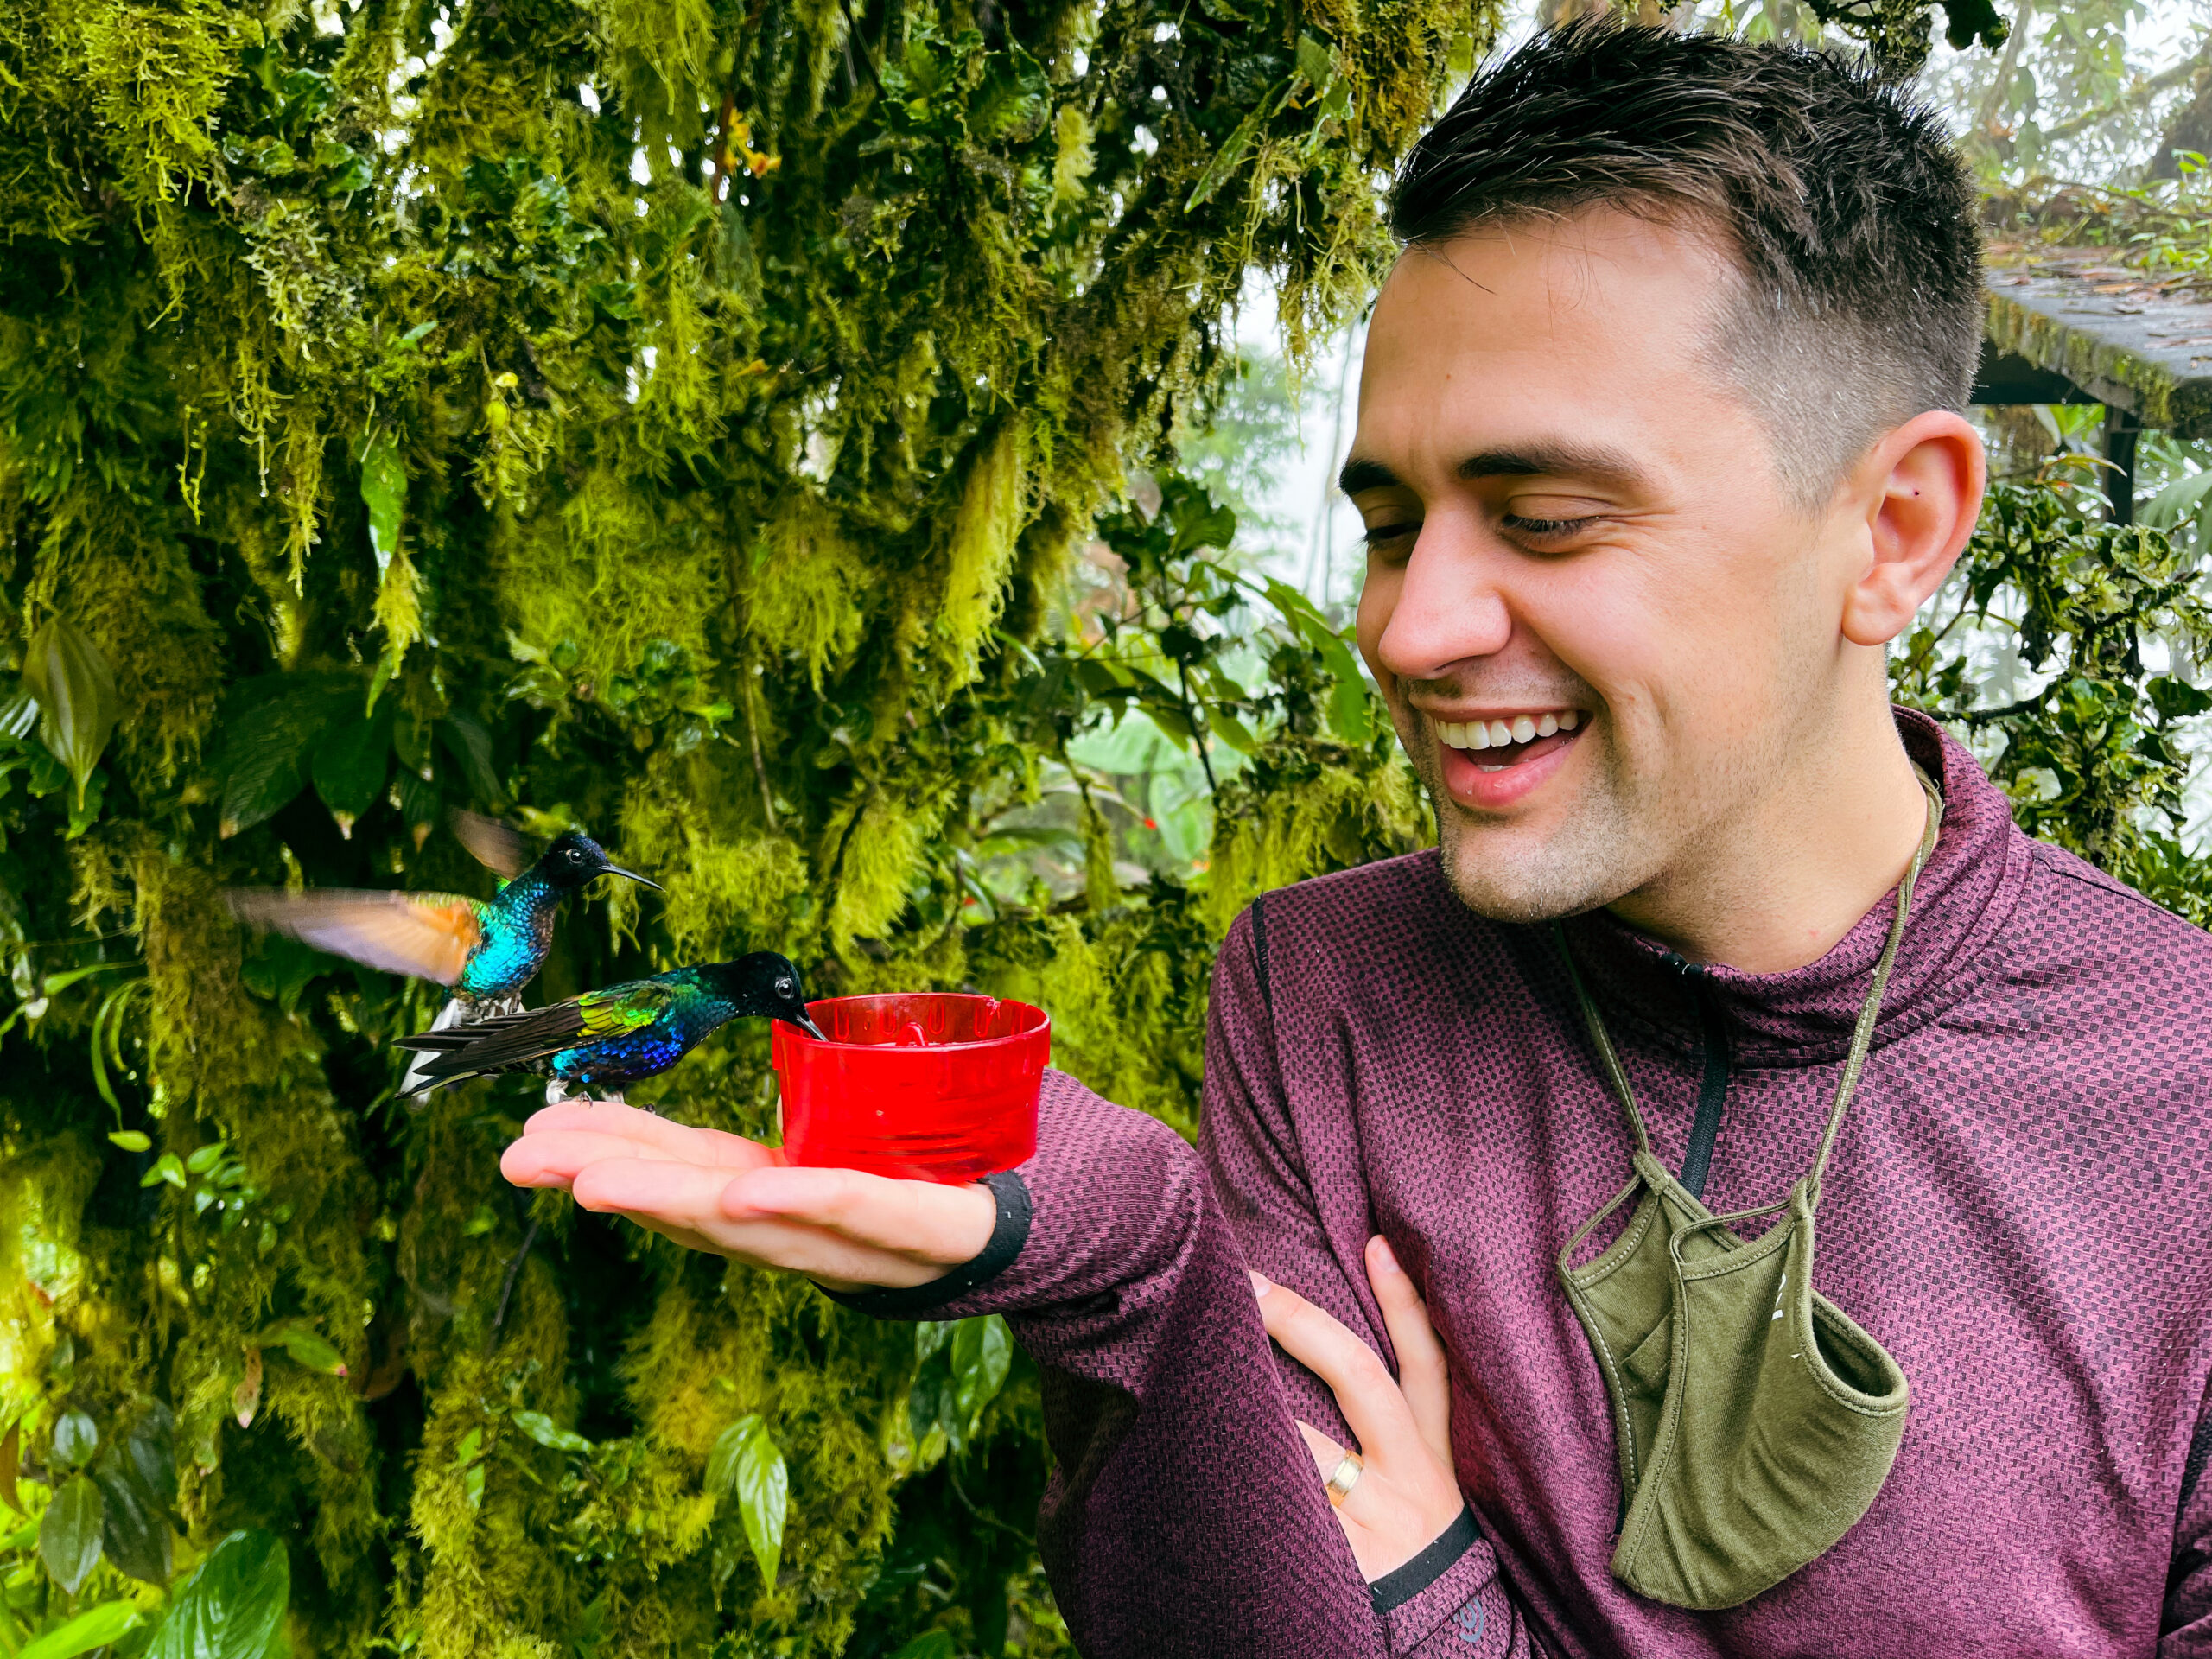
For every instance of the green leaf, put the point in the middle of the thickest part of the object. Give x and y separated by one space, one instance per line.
1315 61
203 1159
729 1447
96 1627
69 1532
1227 158
349 765
168 1167
930 1644
2177 502
982 1352
76 1437
76 687
264 754
384 492
134 1532
233 1606
308 1349
1352 711
541 1428
2178 699
763 1496
132 1140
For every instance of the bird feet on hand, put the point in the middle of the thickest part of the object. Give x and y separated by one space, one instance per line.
558 1090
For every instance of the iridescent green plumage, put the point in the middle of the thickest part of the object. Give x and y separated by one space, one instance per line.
488 949
604 1040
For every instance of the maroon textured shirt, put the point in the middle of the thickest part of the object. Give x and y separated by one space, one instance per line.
2017 1209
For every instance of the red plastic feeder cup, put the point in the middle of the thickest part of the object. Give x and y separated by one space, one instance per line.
932 1087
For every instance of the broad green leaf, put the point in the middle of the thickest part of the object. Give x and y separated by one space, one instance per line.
982 1352
1315 61
930 1644
264 755
729 1447
135 1533
233 1606
763 1496
96 1627
2177 699
2177 502
384 492
76 687
76 1439
930 1335
168 1167
542 1429
1352 711
349 765
69 1532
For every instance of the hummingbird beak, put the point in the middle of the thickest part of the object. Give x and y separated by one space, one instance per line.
806 1023
631 876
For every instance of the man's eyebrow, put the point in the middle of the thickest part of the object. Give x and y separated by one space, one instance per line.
1552 460
1599 465
1361 474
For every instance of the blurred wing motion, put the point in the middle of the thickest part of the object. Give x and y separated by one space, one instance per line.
515 1041
429 935
499 847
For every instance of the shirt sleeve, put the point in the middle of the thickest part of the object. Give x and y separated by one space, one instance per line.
1182 1516
2186 1628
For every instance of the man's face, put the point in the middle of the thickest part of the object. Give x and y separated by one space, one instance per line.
1601 627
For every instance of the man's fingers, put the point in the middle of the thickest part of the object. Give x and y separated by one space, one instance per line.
647 1128
1327 1454
1423 1376
941 1224
553 1157
1365 1392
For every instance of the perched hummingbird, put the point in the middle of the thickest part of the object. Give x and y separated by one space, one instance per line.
620 1035
487 949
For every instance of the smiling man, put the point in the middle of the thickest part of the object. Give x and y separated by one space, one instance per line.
1520 1149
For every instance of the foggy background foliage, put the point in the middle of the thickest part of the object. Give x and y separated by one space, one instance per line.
867 463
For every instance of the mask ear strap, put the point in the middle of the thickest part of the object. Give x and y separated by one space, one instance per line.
1862 1035
1608 1060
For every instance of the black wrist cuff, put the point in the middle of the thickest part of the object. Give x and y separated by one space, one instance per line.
1400 1584
1008 1234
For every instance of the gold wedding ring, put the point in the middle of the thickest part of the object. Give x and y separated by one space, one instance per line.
1346 1477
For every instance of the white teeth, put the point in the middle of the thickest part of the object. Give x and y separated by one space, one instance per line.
1497 734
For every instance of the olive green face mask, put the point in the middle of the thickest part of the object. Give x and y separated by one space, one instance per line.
1756 1422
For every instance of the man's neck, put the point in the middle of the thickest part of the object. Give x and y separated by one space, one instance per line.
1788 878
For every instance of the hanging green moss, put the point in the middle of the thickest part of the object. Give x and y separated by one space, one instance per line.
674 419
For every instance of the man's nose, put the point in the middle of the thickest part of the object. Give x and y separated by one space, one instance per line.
1450 608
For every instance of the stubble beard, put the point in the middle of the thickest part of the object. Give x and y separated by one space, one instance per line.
1590 861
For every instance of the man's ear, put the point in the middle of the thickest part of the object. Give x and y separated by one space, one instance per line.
1923 485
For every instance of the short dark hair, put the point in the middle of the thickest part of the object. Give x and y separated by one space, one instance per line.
1841 199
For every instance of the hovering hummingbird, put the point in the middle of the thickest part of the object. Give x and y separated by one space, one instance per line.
487 949
620 1035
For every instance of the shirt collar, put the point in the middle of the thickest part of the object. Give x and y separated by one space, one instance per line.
1972 882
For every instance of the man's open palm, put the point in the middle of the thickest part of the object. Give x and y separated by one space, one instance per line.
723 1193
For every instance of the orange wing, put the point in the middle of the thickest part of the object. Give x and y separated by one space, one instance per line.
428 935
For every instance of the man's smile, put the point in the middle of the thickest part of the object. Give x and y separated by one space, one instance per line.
1493 758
